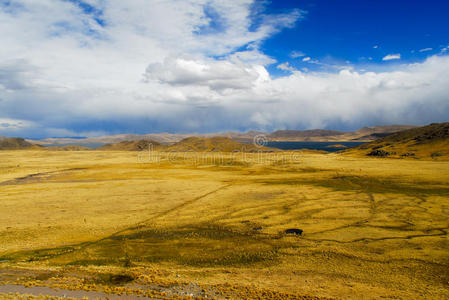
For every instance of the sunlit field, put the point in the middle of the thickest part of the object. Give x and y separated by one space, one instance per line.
174 225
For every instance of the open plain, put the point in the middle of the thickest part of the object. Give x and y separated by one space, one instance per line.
180 225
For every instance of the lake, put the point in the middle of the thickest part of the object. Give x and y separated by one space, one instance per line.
313 145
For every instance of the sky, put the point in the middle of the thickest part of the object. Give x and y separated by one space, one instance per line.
100 67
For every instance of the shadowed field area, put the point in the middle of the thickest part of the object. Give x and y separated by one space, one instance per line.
178 226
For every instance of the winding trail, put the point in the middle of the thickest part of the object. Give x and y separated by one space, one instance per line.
62 293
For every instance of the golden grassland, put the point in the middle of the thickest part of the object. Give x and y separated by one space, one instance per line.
438 150
180 225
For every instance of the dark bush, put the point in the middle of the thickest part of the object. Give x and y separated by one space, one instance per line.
293 231
379 153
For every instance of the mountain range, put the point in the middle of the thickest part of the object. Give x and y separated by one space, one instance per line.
399 141
365 134
190 144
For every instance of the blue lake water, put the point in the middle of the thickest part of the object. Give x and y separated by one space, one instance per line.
312 145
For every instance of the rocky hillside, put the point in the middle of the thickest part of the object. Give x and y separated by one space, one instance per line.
431 141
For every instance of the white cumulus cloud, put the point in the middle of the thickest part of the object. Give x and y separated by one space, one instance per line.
148 66
286 67
392 57
296 54
214 74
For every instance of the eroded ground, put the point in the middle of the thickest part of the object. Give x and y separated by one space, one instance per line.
175 226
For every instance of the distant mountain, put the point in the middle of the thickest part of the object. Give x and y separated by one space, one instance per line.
303 135
139 145
112 139
375 132
382 129
67 148
15 144
364 134
197 144
431 141
215 144
238 136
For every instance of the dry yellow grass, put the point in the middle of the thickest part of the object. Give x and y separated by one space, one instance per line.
372 227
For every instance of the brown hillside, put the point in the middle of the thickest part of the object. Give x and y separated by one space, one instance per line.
68 148
15 144
431 141
140 145
371 133
365 134
289 134
215 144
383 129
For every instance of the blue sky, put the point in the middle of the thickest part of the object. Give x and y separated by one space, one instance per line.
361 33
97 67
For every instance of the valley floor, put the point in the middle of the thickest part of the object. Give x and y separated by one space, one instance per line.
184 225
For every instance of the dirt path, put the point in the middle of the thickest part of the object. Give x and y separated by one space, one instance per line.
37 290
37 177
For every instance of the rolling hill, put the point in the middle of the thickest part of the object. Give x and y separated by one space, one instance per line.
215 144
197 144
365 134
139 145
431 141
67 148
370 133
303 134
15 144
